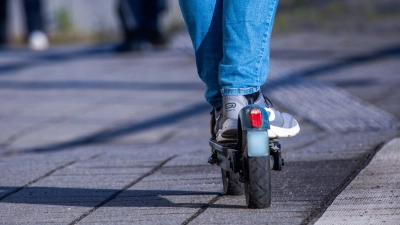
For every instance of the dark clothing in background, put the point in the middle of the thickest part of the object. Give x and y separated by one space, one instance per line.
3 21
33 17
139 20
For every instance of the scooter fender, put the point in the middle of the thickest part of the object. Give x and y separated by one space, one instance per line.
255 139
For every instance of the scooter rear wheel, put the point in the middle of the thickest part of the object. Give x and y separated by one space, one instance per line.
231 183
258 182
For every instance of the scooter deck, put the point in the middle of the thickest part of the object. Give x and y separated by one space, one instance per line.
225 156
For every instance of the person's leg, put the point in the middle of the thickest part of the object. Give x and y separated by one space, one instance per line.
3 22
152 9
36 37
247 27
33 12
236 32
129 27
125 18
231 41
137 8
204 22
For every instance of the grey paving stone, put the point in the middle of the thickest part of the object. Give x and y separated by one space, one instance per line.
373 196
28 169
344 147
171 195
120 116
75 187
13 129
54 133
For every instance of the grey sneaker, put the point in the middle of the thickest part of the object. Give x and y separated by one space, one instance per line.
282 125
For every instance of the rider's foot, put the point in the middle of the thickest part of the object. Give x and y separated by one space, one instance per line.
282 125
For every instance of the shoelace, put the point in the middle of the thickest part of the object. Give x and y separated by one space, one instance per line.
268 102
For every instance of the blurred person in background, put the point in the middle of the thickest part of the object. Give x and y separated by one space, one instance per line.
139 20
3 20
35 36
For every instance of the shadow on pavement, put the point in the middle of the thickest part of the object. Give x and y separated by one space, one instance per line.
92 197
115 132
355 82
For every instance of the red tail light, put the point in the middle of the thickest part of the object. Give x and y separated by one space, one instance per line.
256 117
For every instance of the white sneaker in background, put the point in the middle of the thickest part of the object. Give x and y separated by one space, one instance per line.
38 41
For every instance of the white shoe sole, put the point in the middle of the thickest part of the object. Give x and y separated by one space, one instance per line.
278 132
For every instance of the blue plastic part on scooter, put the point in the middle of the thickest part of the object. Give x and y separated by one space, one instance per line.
257 144
257 138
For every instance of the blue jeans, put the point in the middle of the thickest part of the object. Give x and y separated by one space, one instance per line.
231 42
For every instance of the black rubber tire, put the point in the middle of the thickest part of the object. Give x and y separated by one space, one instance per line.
231 183
258 182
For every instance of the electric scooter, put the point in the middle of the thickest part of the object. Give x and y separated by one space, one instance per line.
246 165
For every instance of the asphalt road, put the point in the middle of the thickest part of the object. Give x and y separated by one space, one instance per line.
90 137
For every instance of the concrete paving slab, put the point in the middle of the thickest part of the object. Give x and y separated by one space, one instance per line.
8 109
366 201
171 195
92 88
74 187
391 103
53 109
370 71
113 112
10 131
30 168
332 147
60 132
112 182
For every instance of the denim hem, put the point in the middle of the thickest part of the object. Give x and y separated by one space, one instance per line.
239 91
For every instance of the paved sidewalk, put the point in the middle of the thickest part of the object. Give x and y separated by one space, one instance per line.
91 137
373 197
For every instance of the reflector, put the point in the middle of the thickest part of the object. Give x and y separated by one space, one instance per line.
256 117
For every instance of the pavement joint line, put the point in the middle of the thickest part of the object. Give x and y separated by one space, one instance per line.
328 200
202 209
37 179
113 196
